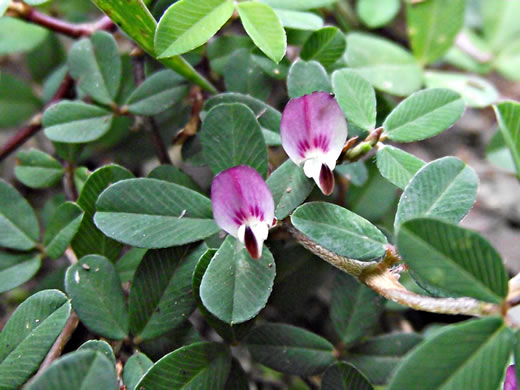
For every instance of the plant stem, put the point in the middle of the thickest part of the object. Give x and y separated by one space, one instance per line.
30 14
382 280
68 182
35 125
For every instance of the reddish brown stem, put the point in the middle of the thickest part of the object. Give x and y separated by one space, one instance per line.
22 135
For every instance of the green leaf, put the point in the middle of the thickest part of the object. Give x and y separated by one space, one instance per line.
197 366
78 370
61 229
499 154
449 260
172 174
476 360
135 368
476 91
356 173
225 130
29 334
299 20
326 46
270 68
76 122
290 187
100 346
150 213
237 378
393 69
236 287
128 263
97 296
16 269
499 23
298 4
508 118
339 230
432 27
264 27
157 93
231 333
397 166
23 37
377 14
134 18
508 61
220 49
19 227
307 77
268 117
356 97
289 349
17 100
95 64
343 376
243 74
354 309
423 114
90 240
161 296
379 356
37 169
445 188
187 24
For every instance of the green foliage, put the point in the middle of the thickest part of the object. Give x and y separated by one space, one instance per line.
62 227
307 77
508 117
99 346
326 46
16 269
29 334
397 166
23 37
17 101
343 376
37 169
135 368
377 14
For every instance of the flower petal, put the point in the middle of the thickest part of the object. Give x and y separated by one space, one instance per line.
510 381
239 195
313 123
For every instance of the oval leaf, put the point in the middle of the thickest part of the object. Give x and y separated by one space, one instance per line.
76 122
37 169
196 366
307 77
187 24
377 14
150 213
161 297
452 260
343 376
356 97
29 334
264 27
445 188
326 46
225 130
236 287
96 66
424 114
19 227
299 20
157 93
61 229
508 118
100 346
16 269
465 363
97 296
290 349
78 370
397 166
339 230
135 368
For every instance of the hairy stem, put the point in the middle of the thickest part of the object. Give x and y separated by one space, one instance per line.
380 278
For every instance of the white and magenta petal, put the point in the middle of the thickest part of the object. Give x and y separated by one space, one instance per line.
510 381
313 131
243 206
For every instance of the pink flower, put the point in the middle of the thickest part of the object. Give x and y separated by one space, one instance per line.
313 132
510 381
243 206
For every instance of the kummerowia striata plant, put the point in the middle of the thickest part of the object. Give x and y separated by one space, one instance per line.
167 228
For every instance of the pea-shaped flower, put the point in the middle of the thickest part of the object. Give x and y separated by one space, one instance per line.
313 132
243 206
510 381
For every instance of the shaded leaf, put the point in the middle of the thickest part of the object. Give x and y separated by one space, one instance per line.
37 169
172 174
397 166
236 287
100 346
339 230
97 296
17 100
326 46
289 349
307 77
23 36
128 263
343 376
62 227
135 368
237 378
225 130
499 154
508 118
151 213
16 269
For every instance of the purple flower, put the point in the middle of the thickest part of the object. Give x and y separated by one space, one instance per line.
313 132
243 206
510 381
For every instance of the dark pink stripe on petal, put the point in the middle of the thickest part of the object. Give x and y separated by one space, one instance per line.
251 243
326 180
